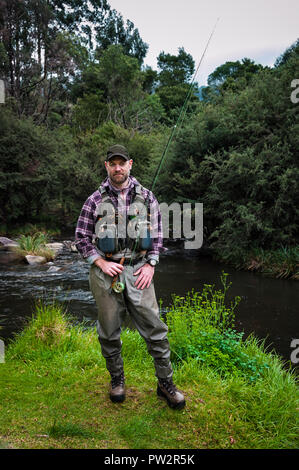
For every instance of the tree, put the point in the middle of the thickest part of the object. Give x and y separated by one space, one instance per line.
43 45
234 75
175 73
175 69
112 90
291 51
239 156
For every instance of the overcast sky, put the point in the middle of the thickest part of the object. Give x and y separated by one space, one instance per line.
258 29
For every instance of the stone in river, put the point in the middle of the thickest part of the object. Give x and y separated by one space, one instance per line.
31 259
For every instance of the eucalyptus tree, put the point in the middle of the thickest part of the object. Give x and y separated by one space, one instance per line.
44 43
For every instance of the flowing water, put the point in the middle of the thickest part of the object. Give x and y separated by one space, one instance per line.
268 307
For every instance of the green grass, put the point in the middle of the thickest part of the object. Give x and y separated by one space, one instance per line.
35 245
54 394
281 263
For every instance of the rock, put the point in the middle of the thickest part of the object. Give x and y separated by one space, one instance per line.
54 269
74 248
70 246
5 241
9 257
57 247
9 247
33 260
7 244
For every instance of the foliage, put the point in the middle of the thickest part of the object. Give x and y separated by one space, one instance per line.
231 75
113 90
54 377
288 54
282 263
38 170
24 168
75 83
45 44
175 69
201 327
32 229
239 157
174 79
35 245
200 310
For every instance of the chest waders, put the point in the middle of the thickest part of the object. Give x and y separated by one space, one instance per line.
117 231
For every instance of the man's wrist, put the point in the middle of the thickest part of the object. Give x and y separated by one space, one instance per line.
99 262
152 262
152 256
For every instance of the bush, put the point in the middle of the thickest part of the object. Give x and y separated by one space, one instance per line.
35 245
238 156
200 327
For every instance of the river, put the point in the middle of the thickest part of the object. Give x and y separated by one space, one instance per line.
268 307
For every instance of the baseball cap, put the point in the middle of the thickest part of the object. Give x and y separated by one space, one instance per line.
118 151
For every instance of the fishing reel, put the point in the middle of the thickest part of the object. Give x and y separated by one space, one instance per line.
118 287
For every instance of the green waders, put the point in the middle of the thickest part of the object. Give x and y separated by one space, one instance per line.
143 309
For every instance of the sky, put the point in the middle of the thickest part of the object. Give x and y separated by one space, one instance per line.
258 29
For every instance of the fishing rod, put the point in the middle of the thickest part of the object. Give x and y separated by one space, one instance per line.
182 111
116 285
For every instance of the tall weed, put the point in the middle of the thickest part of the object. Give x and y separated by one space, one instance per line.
201 326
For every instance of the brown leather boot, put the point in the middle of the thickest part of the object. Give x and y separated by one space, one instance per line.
168 391
117 388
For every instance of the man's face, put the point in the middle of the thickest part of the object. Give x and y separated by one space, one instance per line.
118 170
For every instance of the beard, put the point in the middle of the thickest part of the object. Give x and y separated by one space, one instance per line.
118 179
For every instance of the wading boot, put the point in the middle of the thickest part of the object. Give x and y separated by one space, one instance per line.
117 388
167 390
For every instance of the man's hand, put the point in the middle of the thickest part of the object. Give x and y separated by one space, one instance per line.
146 273
109 267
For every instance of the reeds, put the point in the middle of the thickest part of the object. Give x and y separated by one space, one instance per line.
35 245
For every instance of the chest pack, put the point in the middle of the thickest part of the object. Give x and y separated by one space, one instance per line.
126 229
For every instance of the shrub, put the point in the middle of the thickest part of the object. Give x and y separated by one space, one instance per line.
201 327
35 245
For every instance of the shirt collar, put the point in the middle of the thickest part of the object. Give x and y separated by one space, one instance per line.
131 183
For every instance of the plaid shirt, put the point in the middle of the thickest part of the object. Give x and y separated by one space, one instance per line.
85 229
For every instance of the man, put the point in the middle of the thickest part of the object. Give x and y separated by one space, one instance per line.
133 267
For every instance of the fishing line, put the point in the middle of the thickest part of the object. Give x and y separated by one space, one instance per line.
182 111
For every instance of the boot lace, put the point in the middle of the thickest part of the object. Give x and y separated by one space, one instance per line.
117 380
169 385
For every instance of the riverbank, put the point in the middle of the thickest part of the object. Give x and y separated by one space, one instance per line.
282 263
54 389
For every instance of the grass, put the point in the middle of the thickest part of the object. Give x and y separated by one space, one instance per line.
282 263
54 394
35 245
